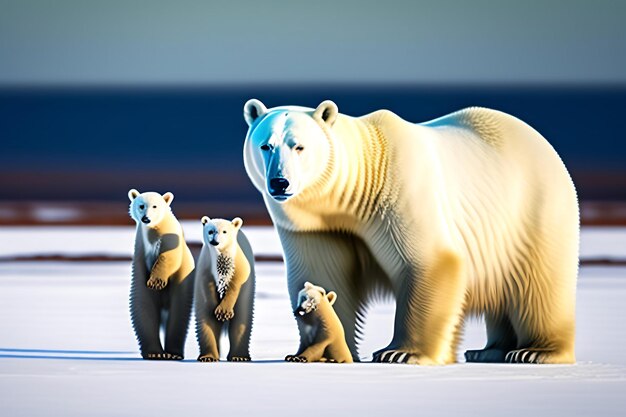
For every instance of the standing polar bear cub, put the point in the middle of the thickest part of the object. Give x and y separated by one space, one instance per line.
224 290
162 284
473 213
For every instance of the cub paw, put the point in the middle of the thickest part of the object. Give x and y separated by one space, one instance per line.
527 356
295 358
155 283
240 359
161 356
207 358
224 313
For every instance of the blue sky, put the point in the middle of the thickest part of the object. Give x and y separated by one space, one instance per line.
208 42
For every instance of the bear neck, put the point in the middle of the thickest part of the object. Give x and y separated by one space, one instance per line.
344 197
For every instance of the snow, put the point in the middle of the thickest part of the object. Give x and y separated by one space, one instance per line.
595 241
67 349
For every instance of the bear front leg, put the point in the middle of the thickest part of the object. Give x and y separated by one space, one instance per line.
226 308
166 265
429 309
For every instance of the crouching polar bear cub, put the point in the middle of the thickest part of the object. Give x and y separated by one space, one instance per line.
472 213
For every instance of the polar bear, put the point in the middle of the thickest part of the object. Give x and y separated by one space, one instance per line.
328 341
473 213
224 290
161 292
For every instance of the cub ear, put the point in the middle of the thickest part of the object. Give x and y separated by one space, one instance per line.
168 197
252 110
205 220
132 194
332 297
308 285
326 112
237 222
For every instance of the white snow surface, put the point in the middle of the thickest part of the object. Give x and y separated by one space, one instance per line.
595 241
67 349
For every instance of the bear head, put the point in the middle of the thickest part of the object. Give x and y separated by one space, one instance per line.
287 149
311 297
149 208
221 233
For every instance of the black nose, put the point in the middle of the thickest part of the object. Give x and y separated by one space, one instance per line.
214 243
279 185
145 219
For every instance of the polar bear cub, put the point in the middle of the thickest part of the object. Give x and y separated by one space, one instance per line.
224 290
328 341
161 292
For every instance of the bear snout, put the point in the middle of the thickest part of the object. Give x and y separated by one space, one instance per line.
214 242
278 185
145 219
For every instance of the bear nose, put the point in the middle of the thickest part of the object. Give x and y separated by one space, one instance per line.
279 185
145 219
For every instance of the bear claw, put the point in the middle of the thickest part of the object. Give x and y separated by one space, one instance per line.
155 283
207 359
294 358
159 356
394 356
240 359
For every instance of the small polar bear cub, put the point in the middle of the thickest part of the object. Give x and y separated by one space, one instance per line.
328 341
224 290
161 294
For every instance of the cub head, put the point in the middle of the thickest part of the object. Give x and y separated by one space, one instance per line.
221 233
287 149
311 297
149 208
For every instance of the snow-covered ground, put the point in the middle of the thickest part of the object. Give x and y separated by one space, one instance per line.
67 348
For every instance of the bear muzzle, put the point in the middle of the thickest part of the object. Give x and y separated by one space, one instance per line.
145 219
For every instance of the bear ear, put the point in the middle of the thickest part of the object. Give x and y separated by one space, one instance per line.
132 194
252 110
205 220
327 112
308 285
168 197
237 222
332 297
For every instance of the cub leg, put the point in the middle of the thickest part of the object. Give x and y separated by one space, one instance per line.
208 328
178 318
312 353
240 327
168 262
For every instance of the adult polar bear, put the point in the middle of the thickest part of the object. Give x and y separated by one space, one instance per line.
471 213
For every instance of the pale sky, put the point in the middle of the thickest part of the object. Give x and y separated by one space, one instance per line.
208 42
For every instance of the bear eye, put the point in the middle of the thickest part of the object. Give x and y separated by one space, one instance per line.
210 232
153 206
142 207
224 232
299 148
266 147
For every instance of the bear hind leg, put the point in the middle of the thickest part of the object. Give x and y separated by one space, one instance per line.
177 323
501 338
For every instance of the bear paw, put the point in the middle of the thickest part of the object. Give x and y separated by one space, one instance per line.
295 358
207 358
240 359
162 356
485 355
155 283
223 313
401 356
531 355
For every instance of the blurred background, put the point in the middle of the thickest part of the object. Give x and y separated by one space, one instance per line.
98 97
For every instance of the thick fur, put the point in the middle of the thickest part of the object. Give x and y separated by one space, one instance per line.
215 315
473 213
327 339
161 294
